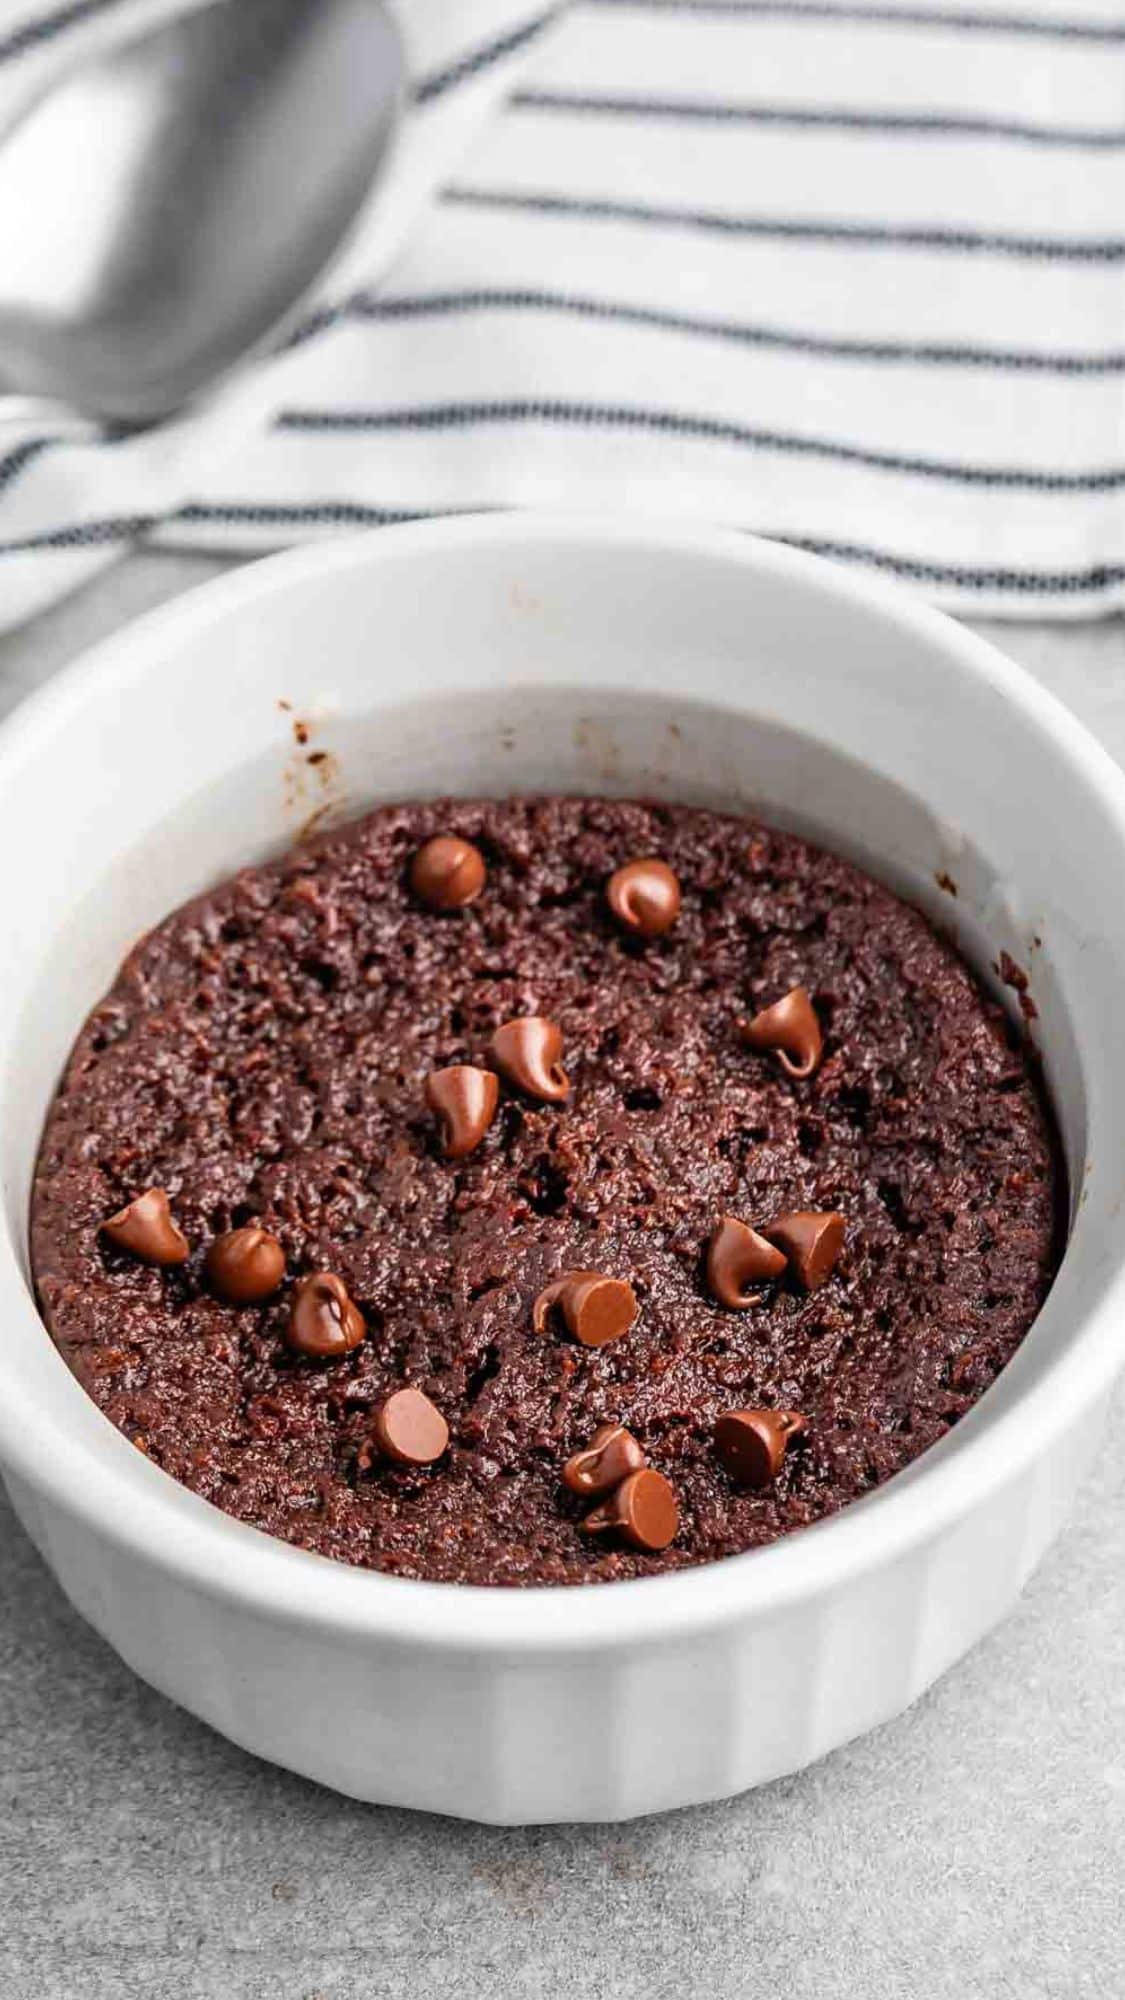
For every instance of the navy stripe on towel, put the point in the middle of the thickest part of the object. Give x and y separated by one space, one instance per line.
708 430
811 118
863 235
948 20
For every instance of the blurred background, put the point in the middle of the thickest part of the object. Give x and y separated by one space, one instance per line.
850 275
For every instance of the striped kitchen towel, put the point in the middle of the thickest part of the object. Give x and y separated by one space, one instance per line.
846 272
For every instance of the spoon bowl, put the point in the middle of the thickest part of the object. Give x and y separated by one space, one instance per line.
167 204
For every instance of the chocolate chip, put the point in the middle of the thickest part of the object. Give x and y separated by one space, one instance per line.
528 1052
465 1100
789 1030
596 1309
551 1296
324 1321
146 1229
738 1259
751 1443
409 1430
643 1510
644 896
612 1454
448 872
245 1265
812 1243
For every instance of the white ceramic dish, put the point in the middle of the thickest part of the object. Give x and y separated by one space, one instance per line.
490 656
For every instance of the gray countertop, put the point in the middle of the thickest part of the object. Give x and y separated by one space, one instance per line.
975 1847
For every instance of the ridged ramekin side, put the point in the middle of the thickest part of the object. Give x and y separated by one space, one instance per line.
558 1734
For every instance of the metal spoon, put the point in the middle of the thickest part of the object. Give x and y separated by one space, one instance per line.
166 205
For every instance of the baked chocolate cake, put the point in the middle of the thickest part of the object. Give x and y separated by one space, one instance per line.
545 1191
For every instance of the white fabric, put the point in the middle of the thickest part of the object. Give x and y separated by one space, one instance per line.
853 275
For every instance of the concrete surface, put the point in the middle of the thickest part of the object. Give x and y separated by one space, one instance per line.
974 1848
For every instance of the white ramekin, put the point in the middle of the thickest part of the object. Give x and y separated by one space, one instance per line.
526 654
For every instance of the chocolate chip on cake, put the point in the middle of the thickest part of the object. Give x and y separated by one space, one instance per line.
812 1244
146 1229
595 1309
790 1030
739 1262
644 896
245 1266
751 1444
612 1454
465 1100
528 1054
409 1429
643 1510
448 873
324 1321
